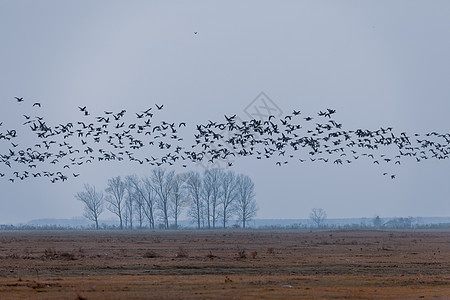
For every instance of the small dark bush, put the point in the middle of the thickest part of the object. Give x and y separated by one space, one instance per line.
151 254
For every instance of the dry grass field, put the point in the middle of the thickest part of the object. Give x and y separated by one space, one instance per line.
225 265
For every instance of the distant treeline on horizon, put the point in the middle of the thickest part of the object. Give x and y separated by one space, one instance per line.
259 224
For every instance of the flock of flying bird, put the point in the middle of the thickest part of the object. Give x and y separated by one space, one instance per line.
57 150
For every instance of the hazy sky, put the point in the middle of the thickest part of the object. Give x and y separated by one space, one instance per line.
378 63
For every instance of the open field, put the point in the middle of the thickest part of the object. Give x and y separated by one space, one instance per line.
225 265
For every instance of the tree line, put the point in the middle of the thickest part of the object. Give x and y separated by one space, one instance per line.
211 199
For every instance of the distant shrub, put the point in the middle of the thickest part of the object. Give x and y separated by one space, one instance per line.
210 255
241 254
182 253
53 254
151 254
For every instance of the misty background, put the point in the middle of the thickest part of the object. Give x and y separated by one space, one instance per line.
379 64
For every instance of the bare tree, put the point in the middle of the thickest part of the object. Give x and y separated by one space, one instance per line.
206 193
115 197
149 197
162 183
144 188
377 222
318 216
178 197
130 199
245 201
129 210
194 192
93 203
213 181
229 195
140 206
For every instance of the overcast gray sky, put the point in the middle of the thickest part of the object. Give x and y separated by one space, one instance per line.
378 63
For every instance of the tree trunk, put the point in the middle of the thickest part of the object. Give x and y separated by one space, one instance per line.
198 217
176 222
224 216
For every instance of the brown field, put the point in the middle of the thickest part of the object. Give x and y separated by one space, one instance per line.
225 265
